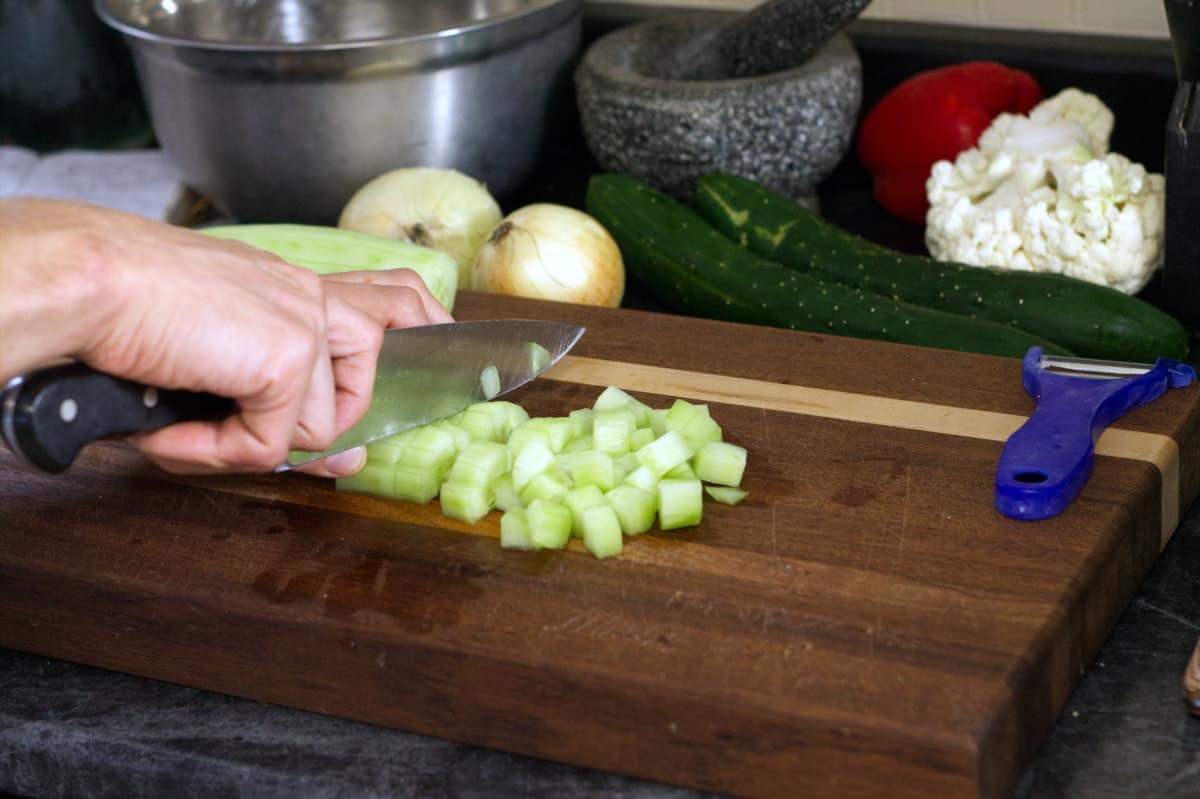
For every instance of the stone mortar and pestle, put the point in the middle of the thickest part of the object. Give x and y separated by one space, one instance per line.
772 94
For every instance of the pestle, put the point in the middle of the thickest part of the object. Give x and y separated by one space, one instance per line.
773 36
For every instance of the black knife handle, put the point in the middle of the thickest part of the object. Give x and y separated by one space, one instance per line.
48 416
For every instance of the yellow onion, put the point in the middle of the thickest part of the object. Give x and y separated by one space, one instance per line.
551 252
438 208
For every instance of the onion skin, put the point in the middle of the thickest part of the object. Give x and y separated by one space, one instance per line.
439 208
551 252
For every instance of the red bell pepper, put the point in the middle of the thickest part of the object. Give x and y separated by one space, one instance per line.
931 116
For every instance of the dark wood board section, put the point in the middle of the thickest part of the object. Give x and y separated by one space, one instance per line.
865 623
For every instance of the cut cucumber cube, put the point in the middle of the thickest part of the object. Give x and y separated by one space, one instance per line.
582 444
644 478
514 414
480 463
680 503
658 420
416 483
484 423
640 438
489 381
520 438
721 463
580 420
383 452
635 508
578 500
726 495
370 479
549 524
507 497
611 398
556 428
467 501
594 468
602 531
681 472
514 530
612 429
547 487
462 439
539 357
534 458
666 452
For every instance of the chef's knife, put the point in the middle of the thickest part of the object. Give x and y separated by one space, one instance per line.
423 374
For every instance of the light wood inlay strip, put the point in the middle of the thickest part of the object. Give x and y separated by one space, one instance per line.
1160 450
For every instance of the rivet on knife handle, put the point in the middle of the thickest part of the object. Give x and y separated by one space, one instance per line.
48 416
1047 461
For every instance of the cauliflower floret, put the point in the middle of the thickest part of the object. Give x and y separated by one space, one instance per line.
1042 193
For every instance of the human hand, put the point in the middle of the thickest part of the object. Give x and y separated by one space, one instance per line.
176 309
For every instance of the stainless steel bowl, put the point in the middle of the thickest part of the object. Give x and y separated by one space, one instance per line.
277 110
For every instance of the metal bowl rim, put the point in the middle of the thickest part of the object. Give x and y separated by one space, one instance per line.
535 8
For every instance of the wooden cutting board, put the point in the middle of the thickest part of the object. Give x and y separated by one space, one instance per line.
864 624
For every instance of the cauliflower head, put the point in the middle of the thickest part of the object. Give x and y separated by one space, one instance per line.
1042 193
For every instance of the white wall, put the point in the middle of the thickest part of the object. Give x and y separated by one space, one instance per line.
1120 17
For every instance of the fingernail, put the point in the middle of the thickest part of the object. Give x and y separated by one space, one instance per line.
346 463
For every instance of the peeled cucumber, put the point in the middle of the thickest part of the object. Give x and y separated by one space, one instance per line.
329 250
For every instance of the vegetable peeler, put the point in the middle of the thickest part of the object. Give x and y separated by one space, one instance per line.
1047 461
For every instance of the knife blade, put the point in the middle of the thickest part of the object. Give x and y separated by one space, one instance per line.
422 374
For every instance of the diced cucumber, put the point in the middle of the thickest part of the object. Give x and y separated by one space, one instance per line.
594 468
602 531
539 357
726 495
612 429
467 501
514 413
644 478
680 503
489 381
721 463
535 458
523 435
462 439
514 530
635 508
547 487
611 398
683 471
556 428
416 483
579 499
581 422
485 422
666 452
582 444
370 479
658 420
507 497
640 438
549 524
480 463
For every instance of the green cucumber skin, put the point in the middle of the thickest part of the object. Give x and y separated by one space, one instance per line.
1091 320
695 269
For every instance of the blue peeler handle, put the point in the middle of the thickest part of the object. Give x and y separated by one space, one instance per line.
1048 459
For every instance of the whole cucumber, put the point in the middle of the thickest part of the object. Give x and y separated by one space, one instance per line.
693 268
1091 320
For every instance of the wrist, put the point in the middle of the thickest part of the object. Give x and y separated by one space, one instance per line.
58 282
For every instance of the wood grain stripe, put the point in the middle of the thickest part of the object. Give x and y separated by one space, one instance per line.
1160 450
